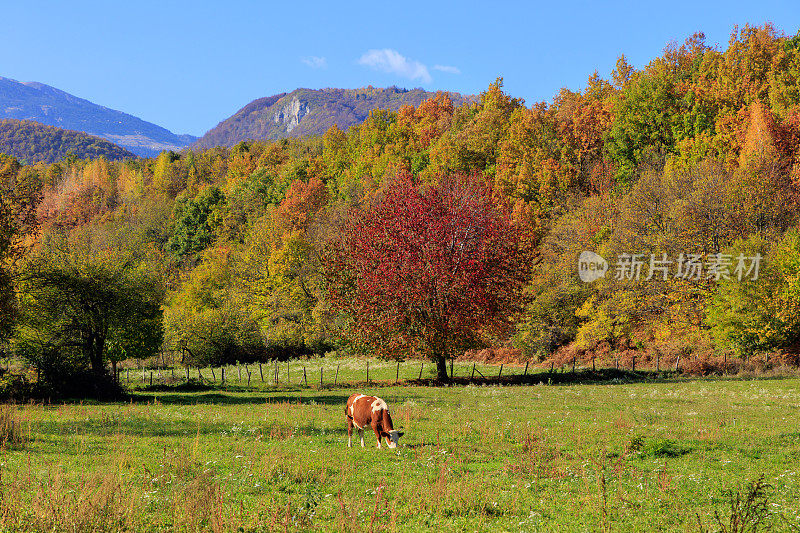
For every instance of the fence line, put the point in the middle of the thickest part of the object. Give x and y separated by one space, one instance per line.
159 376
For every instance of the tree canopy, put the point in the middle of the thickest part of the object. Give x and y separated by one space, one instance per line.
434 269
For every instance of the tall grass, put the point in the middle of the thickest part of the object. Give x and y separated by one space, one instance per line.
11 431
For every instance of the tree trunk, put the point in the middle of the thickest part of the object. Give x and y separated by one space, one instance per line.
95 348
441 368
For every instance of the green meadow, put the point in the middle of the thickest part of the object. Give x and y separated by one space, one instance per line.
680 455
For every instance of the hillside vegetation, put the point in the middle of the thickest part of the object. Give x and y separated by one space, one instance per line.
310 112
33 142
689 165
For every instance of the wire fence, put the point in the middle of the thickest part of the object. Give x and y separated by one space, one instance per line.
323 373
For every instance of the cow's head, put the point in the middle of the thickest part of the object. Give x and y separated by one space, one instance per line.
392 437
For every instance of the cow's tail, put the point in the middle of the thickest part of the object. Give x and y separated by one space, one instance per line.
387 421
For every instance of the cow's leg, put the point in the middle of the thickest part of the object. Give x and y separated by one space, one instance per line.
377 436
361 432
349 432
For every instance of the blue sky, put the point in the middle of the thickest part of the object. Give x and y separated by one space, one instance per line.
188 65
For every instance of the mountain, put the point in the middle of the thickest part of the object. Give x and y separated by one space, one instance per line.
32 142
48 105
308 111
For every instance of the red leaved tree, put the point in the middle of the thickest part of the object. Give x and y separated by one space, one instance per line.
428 269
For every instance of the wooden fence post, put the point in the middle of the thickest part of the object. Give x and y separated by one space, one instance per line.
336 378
248 375
633 364
261 371
677 362
367 372
320 377
593 369
551 366
573 364
473 371
501 371
420 370
151 378
305 378
526 368
451 368
222 374
397 374
199 374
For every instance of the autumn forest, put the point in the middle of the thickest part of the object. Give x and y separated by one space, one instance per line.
433 230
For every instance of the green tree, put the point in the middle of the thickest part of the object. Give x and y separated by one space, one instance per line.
642 131
752 316
76 305
208 318
195 222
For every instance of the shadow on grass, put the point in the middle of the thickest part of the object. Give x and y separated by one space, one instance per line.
418 445
235 397
605 376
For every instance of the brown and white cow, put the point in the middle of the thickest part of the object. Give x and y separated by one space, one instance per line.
362 410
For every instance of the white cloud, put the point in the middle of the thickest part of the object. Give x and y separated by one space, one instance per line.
388 60
315 61
447 68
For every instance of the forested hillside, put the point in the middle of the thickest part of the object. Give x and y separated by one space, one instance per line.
694 155
310 112
33 142
41 103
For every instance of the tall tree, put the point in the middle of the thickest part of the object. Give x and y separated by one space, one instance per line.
77 304
432 270
20 192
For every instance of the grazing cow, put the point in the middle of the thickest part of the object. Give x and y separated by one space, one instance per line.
362 410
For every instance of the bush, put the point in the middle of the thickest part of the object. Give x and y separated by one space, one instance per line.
15 387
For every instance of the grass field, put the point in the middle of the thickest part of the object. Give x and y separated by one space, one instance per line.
616 457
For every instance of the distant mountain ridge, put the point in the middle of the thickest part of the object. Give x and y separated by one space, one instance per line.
311 111
32 142
41 103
